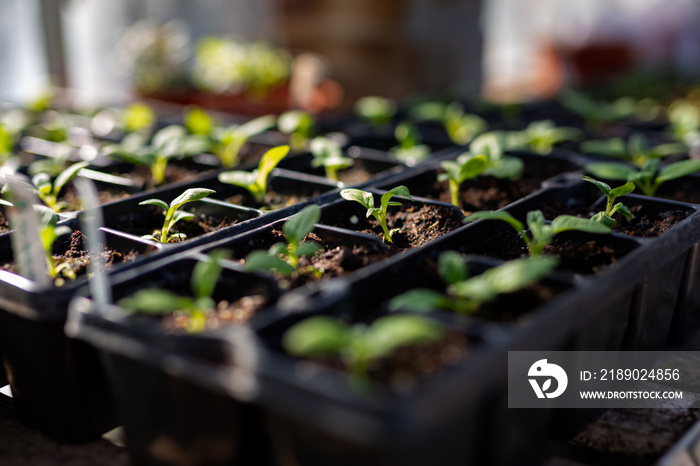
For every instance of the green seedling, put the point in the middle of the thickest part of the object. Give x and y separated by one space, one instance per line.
635 150
256 181
48 192
49 232
229 141
168 143
154 301
493 145
367 200
596 113
359 345
329 155
173 215
465 167
649 178
460 126
138 117
375 110
466 295
611 208
541 233
298 125
284 258
198 121
541 136
684 122
409 150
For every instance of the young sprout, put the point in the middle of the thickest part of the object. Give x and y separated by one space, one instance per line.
375 110
154 301
595 113
493 145
284 258
611 208
256 181
329 155
466 295
541 233
48 192
684 122
359 345
467 166
49 232
170 142
173 215
198 121
649 178
541 136
367 200
138 117
228 142
409 151
462 127
298 125
635 150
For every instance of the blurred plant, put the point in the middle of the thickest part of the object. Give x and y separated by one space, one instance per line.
298 125
648 178
465 167
635 150
409 150
138 117
329 155
375 110
173 215
596 113
48 191
684 122
256 181
493 145
461 127
541 136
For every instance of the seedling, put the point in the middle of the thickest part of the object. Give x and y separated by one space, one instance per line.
256 181
595 113
284 258
48 192
198 121
298 125
359 345
462 127
138 117
173 215
635 150
367 200
541 233
375 110
467 166
154 301
493 145
611 208
541 136
409 151
329 155
49 232
684 120
229 141
649 178
466 295
170 142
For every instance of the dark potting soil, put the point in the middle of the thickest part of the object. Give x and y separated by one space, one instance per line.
417 225
332 261
4 223
105 196
644 224
199 225
510 307
226 313
272 201
77 258
141 175
354 175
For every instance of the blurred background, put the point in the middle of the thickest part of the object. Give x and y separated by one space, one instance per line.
255 55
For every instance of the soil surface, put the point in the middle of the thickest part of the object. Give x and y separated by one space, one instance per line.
141 175
105 196
77 258
200 224
644 224
418 225
226 313
354 175
272 201
4 223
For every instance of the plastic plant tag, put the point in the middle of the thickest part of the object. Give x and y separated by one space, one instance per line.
91 222
26 243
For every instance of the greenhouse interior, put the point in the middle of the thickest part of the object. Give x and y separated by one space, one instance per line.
365 232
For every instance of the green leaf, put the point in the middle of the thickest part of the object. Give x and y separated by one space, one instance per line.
568 222
491 144
206 273
507 278
278 249
190 195
138 117
180 215
156 202
363 197
613 147
255 126
473 167
604 187
308 249
611 171
301 224
375 109
497 215
678 170
506 167
238 177
198 121
605 219
316 336
623 210
269 161
152 301
539 229
420 300
41 181
622 190
391 332
261 261
397 191
166 135
452 267
293 121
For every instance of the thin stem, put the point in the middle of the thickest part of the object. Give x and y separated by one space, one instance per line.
454 192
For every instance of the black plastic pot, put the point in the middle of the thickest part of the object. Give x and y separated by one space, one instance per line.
57 383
